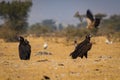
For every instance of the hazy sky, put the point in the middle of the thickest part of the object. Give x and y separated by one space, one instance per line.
63 10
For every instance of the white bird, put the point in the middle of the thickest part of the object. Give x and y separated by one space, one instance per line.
45 45
108 41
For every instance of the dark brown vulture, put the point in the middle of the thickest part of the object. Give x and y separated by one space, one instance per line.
24 49
91 21
82 48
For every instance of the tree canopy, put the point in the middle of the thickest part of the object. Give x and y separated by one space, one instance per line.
15 14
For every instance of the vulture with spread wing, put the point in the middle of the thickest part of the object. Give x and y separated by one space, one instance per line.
82 48
91 21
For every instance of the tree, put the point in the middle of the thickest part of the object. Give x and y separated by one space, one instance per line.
14 14
50 24
100 15
111 27
60 27
38 29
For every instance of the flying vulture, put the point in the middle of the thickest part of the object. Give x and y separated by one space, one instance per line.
24 49
91 21
82 48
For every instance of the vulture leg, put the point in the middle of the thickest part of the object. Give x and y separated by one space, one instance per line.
85 54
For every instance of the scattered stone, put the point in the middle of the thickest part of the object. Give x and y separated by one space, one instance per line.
109 57
44 60
61 64
1 54
96 69
6 63
101 57
18 76
79 65
43 53
75 73
8 79
97 60
45 78
105 57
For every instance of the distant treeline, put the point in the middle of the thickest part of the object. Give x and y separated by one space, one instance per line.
109 27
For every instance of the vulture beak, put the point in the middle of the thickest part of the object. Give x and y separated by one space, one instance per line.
18 37
90 35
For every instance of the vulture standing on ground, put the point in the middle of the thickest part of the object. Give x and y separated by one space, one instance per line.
91 21
24 49
82 48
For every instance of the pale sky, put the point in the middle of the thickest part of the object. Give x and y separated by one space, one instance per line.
63 10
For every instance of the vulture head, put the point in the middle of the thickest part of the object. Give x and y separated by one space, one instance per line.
21 39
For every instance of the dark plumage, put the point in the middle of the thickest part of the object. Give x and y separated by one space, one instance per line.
92 22
46 77
82 48
24 49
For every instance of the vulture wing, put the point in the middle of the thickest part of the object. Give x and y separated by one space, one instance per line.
84 50
77 50
22 52
89 19
97 22
89 15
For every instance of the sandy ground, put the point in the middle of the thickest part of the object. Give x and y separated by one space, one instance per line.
103 61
